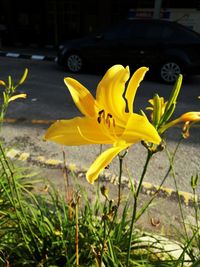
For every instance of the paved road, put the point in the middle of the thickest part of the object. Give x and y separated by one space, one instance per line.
48 98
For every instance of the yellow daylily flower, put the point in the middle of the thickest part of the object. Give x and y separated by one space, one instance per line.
108 119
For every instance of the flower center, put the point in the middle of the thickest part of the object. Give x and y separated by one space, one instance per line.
107 119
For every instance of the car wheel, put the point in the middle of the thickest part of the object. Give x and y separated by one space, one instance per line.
74 62
169 71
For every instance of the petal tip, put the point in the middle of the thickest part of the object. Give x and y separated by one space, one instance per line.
90 179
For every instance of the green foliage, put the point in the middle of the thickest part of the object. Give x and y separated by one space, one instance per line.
40 229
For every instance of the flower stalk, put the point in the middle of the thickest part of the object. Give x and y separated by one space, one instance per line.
133 218
121 157
77 230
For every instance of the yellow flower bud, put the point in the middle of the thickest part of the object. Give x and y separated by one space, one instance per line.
105 191
190 116
14 97
2 83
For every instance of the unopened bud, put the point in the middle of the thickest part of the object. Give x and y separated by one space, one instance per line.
105 191
194 181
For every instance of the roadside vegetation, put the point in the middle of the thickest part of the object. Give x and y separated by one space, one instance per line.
53 228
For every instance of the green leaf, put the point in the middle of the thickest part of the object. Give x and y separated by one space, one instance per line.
171 103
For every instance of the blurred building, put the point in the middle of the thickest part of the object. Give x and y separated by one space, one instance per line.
48 22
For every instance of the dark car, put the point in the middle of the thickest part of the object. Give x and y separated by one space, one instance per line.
167 48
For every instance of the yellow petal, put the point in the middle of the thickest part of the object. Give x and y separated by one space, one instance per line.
133 85
102 162
81 96
151 101
110 91
139 128
77 131
14 97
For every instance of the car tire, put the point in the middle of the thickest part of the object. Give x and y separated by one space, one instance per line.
74 62
169 71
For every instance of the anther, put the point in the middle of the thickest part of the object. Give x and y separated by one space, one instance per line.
101 112
101 115
99 119
108 120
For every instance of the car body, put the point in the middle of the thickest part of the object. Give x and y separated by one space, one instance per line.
167 48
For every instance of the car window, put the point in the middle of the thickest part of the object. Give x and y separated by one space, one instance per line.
115 32
149 30
176 33
134 30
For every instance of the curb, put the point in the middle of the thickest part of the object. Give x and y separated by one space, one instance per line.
27 56
147 188
27 121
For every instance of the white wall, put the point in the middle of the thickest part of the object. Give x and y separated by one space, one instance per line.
188 17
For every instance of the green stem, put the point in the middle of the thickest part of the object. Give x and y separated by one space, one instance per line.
196 208
119 189
103 243
177 191
77 235
120 179
149 155
121 157
164 178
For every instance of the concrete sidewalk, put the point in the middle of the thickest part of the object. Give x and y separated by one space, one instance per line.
36 53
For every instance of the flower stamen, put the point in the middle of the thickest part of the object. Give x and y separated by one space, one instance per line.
108 120
101 116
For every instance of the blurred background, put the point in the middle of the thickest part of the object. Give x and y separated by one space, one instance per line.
46 23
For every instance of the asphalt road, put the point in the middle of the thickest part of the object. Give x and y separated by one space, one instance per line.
48 98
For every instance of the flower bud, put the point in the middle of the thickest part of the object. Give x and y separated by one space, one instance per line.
190 116
105 191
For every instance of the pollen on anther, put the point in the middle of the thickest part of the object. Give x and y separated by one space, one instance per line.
101 112
99 119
